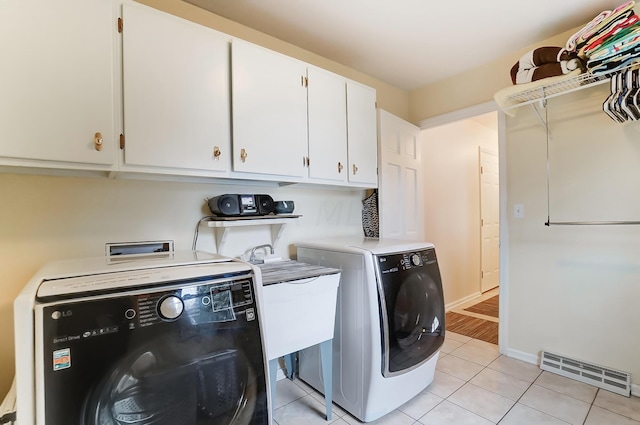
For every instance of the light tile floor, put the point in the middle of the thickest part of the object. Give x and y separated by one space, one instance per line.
476 385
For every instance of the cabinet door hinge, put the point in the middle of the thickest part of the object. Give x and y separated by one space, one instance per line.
482 274
122 141
120 25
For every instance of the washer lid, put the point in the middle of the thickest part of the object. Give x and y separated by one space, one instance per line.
359 244
100 273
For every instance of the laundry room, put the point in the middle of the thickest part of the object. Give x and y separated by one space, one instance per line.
93 152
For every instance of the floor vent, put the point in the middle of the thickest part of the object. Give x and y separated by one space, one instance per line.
609 379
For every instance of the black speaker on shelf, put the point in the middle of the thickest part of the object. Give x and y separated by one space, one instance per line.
233 205
265 204
225 205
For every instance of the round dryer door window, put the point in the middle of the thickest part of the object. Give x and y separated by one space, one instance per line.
413 317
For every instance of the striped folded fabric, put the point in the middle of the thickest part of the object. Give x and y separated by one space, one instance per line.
621 28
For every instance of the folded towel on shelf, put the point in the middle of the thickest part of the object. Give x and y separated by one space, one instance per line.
621 27
622 12
543 62
504 99
572 43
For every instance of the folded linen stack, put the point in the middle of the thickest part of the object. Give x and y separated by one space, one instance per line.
610 42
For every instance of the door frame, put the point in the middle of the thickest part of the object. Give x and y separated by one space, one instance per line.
470 112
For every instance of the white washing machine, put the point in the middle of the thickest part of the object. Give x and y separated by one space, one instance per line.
390 322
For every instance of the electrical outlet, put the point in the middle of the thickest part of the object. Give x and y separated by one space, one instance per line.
518 210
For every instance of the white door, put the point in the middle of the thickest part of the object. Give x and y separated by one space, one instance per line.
176 92
362 138
269 111
57 80
327 109
400 185
489 219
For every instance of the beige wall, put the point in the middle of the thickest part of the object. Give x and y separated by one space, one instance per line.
470 88
46 218
452 201
574 290
389 97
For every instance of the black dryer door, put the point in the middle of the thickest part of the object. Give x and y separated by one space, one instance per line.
412 309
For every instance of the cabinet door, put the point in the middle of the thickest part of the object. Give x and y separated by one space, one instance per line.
362 134
327 109
57 80
269 111
176 92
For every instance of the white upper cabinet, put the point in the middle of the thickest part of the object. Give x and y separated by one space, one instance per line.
269 111
176 94
327 101
57 83
362 139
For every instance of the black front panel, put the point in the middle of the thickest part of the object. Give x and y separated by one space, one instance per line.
188 356
412 309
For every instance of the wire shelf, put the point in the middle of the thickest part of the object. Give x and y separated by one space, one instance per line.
578 82
571 84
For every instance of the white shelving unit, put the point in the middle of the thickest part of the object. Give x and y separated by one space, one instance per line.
222 227
558 88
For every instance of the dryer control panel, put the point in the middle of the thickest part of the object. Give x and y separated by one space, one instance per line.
392 263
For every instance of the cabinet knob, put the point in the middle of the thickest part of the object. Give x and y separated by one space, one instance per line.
355 169
216 153
97 141
340 167
243 154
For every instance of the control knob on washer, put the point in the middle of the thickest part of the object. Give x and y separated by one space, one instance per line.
415 259
170 308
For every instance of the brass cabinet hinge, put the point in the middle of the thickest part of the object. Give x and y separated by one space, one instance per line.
122 141
120 24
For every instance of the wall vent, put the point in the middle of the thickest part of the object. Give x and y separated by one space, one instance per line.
603 377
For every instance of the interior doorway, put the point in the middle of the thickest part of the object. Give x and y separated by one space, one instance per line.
461 167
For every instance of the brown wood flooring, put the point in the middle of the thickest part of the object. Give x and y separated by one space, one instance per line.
472 327
476 327
488 307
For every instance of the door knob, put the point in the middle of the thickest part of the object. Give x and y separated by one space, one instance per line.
340 167
243 154
97 141
355 169
216 153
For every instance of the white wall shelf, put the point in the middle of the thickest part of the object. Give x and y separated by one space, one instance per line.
222 225
557 88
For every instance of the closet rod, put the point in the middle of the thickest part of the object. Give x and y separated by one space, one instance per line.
590 223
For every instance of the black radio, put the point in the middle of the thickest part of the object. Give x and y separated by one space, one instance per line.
232 205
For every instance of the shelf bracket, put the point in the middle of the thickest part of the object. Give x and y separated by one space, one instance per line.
276 232
222 227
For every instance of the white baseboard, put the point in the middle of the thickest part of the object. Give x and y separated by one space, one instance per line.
523 356
458 303
635 390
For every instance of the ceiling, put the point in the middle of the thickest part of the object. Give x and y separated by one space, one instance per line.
410 43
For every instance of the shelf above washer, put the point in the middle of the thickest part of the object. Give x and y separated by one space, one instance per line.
221 226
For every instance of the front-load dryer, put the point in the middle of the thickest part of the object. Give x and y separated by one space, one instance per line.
390 322
157 339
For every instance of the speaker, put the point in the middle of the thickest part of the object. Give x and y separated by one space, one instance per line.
224 205
265 204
